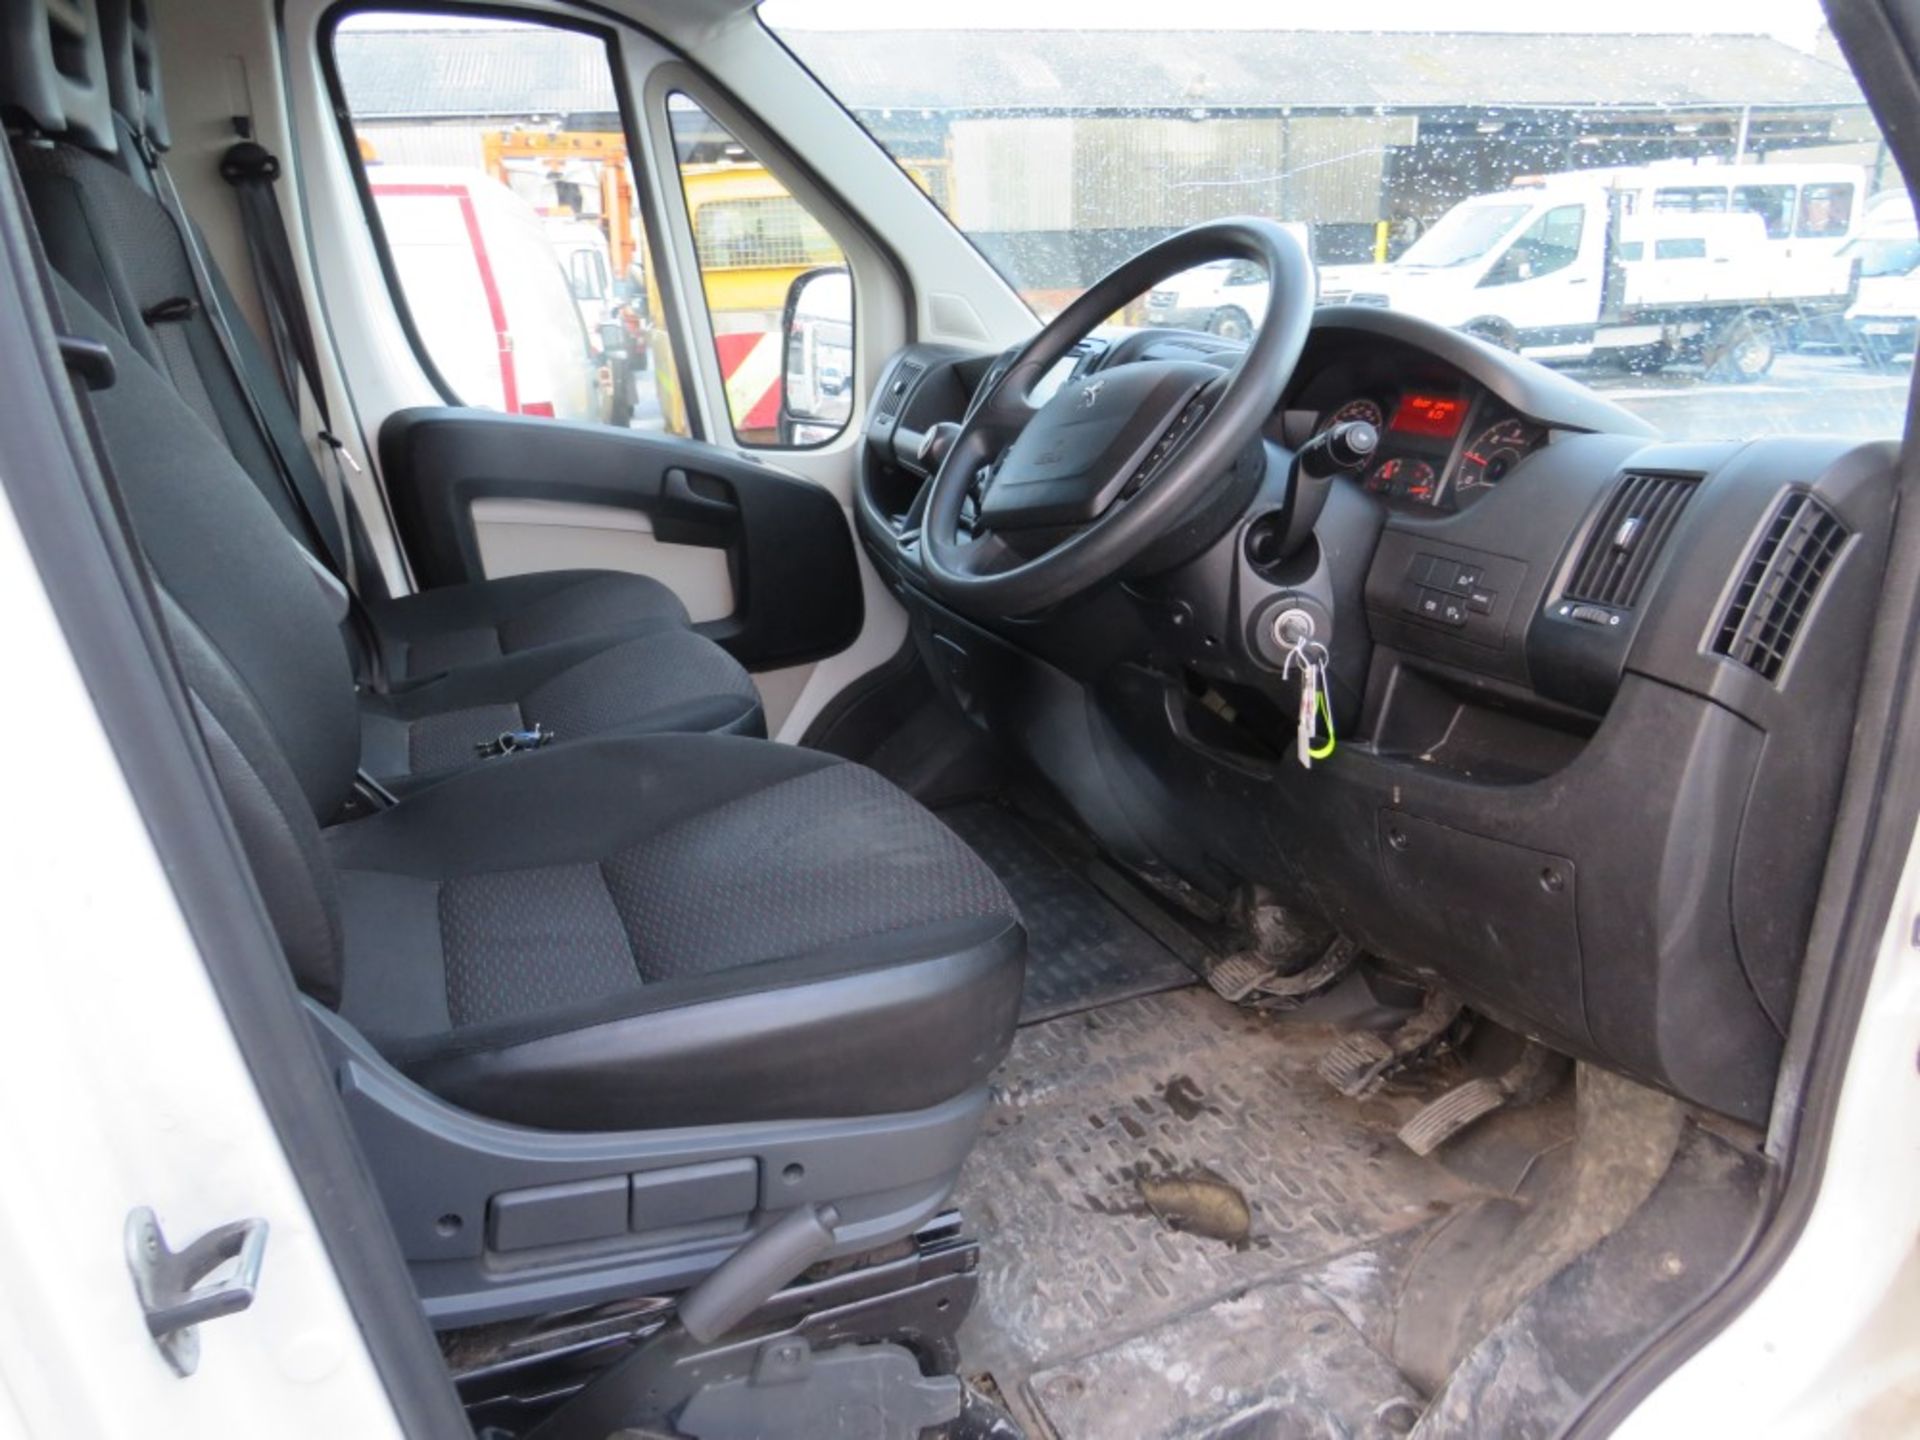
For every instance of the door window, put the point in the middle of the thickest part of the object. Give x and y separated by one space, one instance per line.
1551 243
496 170
776 288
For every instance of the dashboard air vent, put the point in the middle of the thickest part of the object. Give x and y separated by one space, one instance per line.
1778 585
1634 526
897 388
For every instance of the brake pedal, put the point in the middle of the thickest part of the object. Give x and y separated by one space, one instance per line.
1360 1062
1528 1079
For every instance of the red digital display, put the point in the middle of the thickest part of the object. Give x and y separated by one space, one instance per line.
1435 415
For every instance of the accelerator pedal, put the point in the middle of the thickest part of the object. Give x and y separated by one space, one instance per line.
1526 1080
1453 1112
1361 1061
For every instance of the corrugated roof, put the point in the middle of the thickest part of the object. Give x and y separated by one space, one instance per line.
395 73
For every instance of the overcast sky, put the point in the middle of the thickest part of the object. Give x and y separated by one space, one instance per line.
1796 21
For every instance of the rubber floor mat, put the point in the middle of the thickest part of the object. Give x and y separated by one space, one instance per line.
1082 950
1155 1157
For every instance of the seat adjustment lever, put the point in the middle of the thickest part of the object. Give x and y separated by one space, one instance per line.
754 1273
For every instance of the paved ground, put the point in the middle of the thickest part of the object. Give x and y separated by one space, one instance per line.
1803 395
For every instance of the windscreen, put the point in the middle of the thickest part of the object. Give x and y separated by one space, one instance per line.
1063 138
1465 233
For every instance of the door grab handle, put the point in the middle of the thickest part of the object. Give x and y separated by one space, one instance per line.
168 1281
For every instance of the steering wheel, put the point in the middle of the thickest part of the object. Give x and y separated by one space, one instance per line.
1035 504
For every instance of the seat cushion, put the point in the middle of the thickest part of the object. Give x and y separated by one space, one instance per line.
666 681
675 930
459 625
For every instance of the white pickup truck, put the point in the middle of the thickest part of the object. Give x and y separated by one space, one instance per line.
1562 272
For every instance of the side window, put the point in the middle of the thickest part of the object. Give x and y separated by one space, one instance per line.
1825 211
1692 248
1551 243
1772 203
776 286
497 171
1691 199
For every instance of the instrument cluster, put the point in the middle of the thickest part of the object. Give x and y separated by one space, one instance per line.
1439 448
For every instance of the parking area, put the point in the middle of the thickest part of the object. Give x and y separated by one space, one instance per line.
1804 394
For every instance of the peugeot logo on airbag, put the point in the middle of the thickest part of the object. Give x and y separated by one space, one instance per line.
1090 396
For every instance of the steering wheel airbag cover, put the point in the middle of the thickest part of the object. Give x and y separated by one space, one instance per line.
1085 443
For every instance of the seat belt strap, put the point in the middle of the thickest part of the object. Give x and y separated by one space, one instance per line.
251 169
371 660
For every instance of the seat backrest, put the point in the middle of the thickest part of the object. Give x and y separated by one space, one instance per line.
109 234
256 634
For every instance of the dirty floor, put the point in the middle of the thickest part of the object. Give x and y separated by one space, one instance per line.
1083 951
1163 1185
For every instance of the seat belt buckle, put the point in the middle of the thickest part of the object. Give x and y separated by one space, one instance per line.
509 742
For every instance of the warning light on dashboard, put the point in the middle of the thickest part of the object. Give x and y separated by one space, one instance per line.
1435 415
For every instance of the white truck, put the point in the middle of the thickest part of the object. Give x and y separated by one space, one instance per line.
1567 270
477 263
1223 297
1884 320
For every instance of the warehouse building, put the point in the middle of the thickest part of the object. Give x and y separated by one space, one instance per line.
1366 136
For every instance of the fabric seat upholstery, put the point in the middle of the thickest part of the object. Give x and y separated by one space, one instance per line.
456 625
612 670
680 931
666 681
623 933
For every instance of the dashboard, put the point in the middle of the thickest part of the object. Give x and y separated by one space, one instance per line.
1580 780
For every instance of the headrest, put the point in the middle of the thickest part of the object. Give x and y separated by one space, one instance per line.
53 69
133 67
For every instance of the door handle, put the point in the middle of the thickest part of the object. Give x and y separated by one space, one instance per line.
677 489
168 1281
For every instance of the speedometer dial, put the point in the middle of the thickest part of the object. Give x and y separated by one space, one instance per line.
1359 408
1493 453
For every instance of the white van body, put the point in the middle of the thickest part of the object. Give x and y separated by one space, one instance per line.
581 248
1559 271
1884 318
1809 211
475 262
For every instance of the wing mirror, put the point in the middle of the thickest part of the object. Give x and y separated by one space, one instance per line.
816 391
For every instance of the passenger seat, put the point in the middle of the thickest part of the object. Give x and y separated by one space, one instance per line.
577 653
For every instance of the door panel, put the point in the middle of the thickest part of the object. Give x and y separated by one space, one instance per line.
520 537
782 542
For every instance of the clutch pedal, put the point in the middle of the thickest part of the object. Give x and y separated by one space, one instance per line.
1251 979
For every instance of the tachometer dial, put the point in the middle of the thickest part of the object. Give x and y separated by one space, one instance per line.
1359 408
1493 453
1402 479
